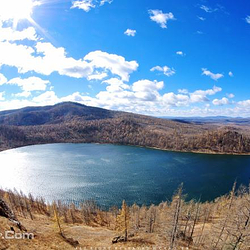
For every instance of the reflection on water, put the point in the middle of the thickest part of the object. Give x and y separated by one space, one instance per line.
110 173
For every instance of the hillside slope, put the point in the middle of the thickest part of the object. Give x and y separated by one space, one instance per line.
176 224
58 113
72 122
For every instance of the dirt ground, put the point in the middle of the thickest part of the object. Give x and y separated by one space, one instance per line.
46 236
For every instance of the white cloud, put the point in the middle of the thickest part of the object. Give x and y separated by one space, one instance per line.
29 84
24 94
126 101
165 70
105 1
19 56
8 34
3 79
115 85
208 9
16 9
144 97
201 18
49 59
47 98
16 104
201 95
180 53
2 96
245 103
85 5
76 97
116 64
140 97
212 75
97 76
221 102
248 19
161 18
231 74
45 59
183 91
130 32
175 100
147 86
230 96
55 59
199 32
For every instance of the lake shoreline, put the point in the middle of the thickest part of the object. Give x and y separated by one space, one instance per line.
118 144
147 175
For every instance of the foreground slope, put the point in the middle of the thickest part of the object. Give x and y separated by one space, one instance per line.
176 224
73 122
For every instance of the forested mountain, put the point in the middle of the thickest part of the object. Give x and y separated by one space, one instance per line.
58 113
73 122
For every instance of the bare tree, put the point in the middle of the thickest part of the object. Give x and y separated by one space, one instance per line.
195 221
57 218
226 219
151 218
177 200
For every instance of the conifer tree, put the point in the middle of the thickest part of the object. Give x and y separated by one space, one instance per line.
122 222
57 218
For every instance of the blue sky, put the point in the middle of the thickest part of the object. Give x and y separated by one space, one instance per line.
161 58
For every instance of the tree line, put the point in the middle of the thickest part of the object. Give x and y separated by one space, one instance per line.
221 224
146 132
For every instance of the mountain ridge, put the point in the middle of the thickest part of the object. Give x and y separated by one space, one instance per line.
77 123
50 114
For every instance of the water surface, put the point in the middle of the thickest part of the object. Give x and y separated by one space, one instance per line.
111 173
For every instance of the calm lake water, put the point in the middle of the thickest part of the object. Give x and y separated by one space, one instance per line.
111 173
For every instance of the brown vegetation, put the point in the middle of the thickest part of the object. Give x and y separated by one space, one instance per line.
80 124
221 224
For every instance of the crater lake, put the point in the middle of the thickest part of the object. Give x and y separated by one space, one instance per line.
112 173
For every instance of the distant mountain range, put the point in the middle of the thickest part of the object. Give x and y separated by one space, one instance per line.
73 122
213 119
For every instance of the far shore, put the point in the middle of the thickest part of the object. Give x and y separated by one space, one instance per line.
208 152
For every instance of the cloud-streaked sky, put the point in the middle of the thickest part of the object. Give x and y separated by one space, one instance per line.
161 58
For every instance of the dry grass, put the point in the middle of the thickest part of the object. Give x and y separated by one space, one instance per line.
221 224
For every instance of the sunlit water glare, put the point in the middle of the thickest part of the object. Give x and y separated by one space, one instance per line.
111 173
